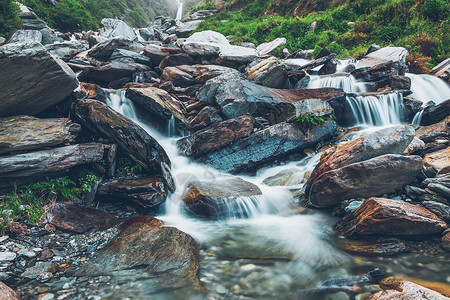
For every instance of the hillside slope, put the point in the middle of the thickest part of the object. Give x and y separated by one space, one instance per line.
343 26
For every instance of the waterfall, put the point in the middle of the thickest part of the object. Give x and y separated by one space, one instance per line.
343 81
377 110
429 88
417 118
179 10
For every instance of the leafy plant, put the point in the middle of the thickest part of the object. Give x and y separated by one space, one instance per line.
309 120
129 168
87 182
61 186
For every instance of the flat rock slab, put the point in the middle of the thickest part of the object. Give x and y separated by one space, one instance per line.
148 249
80 219
380 216
23 133
47 78
6 293
382 247
376 176
145 192
439 159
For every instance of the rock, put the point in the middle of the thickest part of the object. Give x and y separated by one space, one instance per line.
184 29
379 216
268 48
446 242
396 55
107 73
176 60
158 53
201 49
203 73
313 64
66 50
439 209
377 72
442 70
208 36
393 140
134 141
200 15
219 198
435 113
113 28
372 177
304 54
26 36
22 133
217 136
247 45
92 91
125 55
277 141
36 270
104 50
269 72
207 116
439 159
163 255
148 34
395 288
7 256
33 24
49 36
80 219
415 147
289 177
48 79
19 167
442 128
6 293
237 54
381 247
2 41
189 75
178 77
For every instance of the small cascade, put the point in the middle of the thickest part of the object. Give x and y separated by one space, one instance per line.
429 88
417 118
179 10
171 129
343 81
342 64
377 110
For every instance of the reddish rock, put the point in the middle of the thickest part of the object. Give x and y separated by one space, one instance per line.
446 242
217 136
177 76
376 176
399 289
443 126
6 293
92 91
205 117
145 192
383 247
439 159
80 219
158 53
379 216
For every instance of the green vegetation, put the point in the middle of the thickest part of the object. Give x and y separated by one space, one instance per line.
344 27
309 121
128 168
9 19
192 6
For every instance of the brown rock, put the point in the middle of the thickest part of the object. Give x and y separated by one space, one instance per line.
443 126
177 76
397 288
6 293
439 159
145 192
446 242
435 113
442 70
217 136
80 219
379 216
158 53
93 91
382 247
21 133
205 117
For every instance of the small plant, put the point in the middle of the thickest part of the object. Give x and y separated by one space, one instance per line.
309 120
87 182
63 186
127 167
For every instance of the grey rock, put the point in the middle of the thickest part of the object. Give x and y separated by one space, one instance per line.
7 256
66 50
237 54
26 36
120 54
34 24
113 28
184 29
38 269
104 50
269 47
208 36
201 49
439 209
147 34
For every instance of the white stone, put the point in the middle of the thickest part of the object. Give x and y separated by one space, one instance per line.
267 48
7 256
208 36
237 54
3 238
115 28
248 267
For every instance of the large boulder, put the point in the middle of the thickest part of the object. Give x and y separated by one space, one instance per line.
184 29
6 293
269 47
435 113
23 133
48 80
145 248
104 50
439 160
400 289
208 36
393 140
115 70
26 36
275 142
372 177
66 50
22 167
188 75
219 198
201 49
134 141
217 136
269 72
158 53
114 28
379 216
126 55
237 54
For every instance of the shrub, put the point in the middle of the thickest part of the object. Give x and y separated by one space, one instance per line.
435 9
9 19
388 34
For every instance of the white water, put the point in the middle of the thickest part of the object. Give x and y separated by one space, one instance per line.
377 110
417 118
429 88
343 81
179 10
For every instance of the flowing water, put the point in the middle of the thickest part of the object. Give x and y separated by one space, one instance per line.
179 10
343 81
429 88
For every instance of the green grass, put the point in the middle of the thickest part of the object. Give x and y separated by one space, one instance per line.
9 19
422 27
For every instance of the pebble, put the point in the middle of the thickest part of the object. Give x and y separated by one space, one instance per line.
7 256
46 296
248 267
220 289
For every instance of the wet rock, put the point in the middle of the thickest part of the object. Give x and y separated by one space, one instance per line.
269 72
277 141
314 64
158 53
22 167
269 47
126 55
304 54
48 79
379 216
397 288
163 256
439 209
29 133
145 192
219 198
396 55
439 160
66 50
201 49
26 36
416 146
115 70
442 70
176 60
36 270
134 141
178 76
217 136
113 28
184 29
189 75
376 72
147 34
237 54
446 242
288 177
381 247
206 116
79 219
375 176
92 91
33 24
439 129
393 140
412 107
49 36
6 293
435 113
7 256
104 50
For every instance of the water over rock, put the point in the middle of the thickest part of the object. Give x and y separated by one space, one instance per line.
216 136
6 293
21 133
379 247
372 177
380 216
48 79
219 198
160 256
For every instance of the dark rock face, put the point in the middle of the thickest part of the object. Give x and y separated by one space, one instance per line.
217 136
105 49
66 50
80 219
132 139
20 167
48 79
381 247
266 145
388 60
270 73
435 113
163 256
379 216
158 53
116 70
145 192
220 198
6 293
28 133
442 70
376 176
